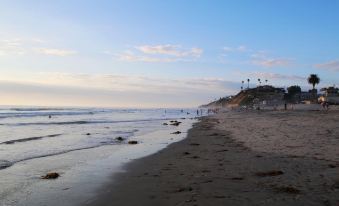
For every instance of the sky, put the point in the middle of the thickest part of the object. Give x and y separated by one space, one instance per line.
150 53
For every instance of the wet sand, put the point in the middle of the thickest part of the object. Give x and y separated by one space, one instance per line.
238 158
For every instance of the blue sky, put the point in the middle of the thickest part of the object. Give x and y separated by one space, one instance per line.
160 54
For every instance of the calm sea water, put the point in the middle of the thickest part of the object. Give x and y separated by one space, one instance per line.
37 140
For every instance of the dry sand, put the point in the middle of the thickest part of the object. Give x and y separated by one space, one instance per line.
239 158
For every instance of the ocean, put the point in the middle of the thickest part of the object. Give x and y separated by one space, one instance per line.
78 143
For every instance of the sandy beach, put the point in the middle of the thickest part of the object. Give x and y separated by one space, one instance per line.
169 103
238 158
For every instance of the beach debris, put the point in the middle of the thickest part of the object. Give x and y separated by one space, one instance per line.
88 134
332 166
224 150
4 164
165 123
186 153
269 173
51 175
219 196
132 142
120 138
207 181
166 169
287 189
237 178
177 132
183 189
175 123
335 185
195 157
194 144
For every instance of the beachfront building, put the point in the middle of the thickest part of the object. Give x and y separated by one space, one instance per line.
331 95
307 97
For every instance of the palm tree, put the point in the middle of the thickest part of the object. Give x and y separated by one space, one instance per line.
259 81
242 85
266 81
248 83
313 79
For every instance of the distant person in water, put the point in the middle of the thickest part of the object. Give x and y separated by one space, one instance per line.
49 116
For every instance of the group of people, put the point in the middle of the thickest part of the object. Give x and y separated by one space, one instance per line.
325 105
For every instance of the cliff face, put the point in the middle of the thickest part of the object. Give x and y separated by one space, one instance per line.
222 102
264 94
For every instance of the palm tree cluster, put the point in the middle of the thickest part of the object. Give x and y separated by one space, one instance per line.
248 83
313 79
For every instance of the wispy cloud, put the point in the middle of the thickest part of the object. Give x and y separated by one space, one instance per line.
12 47
112 90
19 46
38 40
160 53
130 83
55 52
270 76
171 50
274 62
132 57
330 66
245 55
240 48
261 58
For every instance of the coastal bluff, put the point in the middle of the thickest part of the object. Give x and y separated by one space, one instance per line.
268 94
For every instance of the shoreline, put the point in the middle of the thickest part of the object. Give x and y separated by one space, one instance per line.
211 167
82 172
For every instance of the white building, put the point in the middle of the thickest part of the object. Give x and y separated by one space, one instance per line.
331 95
